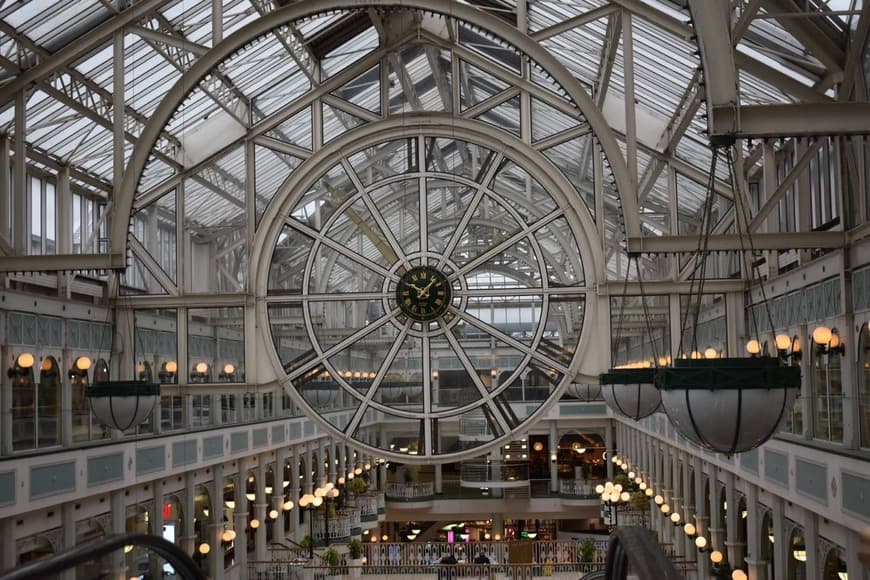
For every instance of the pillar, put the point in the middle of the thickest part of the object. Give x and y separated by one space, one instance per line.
756 567
8 559
119 526
240 516
554 451
608 444
260 508
732 517
216 528
439 481
811 539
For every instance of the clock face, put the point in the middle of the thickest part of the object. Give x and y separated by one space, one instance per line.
423 293
415 311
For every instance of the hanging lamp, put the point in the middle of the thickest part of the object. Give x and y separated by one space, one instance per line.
731 404
586 392
122 405
629 390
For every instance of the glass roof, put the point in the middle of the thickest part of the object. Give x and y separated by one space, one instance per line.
69 115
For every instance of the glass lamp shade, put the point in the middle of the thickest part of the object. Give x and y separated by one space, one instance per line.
585 391
728 405
631 392
122 405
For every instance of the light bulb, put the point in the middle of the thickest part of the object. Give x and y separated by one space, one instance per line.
625 496
25 360
822 335
226 536
665 509
649 492
835 340
738 574
642 485
83 363
618 488
690 529
753 347
716 556
201 367
782 342
172 367
710 352
229 369
675 517
659 500
204 548
288 505
255 523
701 542
273 514
631 475
599 489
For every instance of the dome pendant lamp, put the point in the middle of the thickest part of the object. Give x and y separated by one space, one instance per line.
733 404
629 389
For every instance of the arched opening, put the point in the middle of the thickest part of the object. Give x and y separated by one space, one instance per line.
797 555
835 566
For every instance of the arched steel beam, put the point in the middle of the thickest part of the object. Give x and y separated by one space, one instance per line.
202 67
712 23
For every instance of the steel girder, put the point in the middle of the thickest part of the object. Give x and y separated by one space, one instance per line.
202 67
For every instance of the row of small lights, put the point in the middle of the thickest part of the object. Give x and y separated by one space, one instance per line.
613 493
309 500
823 337
26 360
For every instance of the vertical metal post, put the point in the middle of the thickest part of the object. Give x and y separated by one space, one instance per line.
630 120
20 225
5 192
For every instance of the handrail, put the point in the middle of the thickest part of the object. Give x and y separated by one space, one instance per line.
182 563
636 548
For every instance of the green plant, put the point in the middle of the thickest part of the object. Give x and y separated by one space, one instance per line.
331 557
306 541
357 485
639 500
623 480
586 550
354 549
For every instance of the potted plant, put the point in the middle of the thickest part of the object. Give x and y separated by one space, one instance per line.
331 557
354 550
586 550
357 485
354 554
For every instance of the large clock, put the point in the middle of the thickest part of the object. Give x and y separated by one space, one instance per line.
426 294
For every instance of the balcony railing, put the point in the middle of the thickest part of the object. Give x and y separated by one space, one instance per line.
579 488
493 474
419 553
422 491
293 571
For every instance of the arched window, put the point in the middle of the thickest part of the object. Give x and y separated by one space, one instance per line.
827 384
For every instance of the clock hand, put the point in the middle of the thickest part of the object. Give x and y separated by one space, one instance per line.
425 292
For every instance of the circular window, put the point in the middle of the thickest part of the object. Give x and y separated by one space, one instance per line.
426 295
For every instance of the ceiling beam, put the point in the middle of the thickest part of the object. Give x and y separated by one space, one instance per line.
731 242
792 120
84 44
63 263
810 34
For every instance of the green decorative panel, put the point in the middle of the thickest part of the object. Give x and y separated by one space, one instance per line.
310 428
295 431
183 452
749 460
856 495
811 479
51 479
150 459
261 437
212 447
239 441
278 434
106 468
584 409
7 487
776 467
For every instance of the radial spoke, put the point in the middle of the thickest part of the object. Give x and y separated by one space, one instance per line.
497 249
333 245
475 377
340 297
379 377
388 246
358 335
526 291
496 333
469 211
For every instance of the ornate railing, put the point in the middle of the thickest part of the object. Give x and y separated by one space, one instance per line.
294 571
410 491
493 473
579 488
420 553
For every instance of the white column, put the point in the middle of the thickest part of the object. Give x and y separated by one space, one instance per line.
780 548
260 508
554 450
20 223
756 566
216 528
